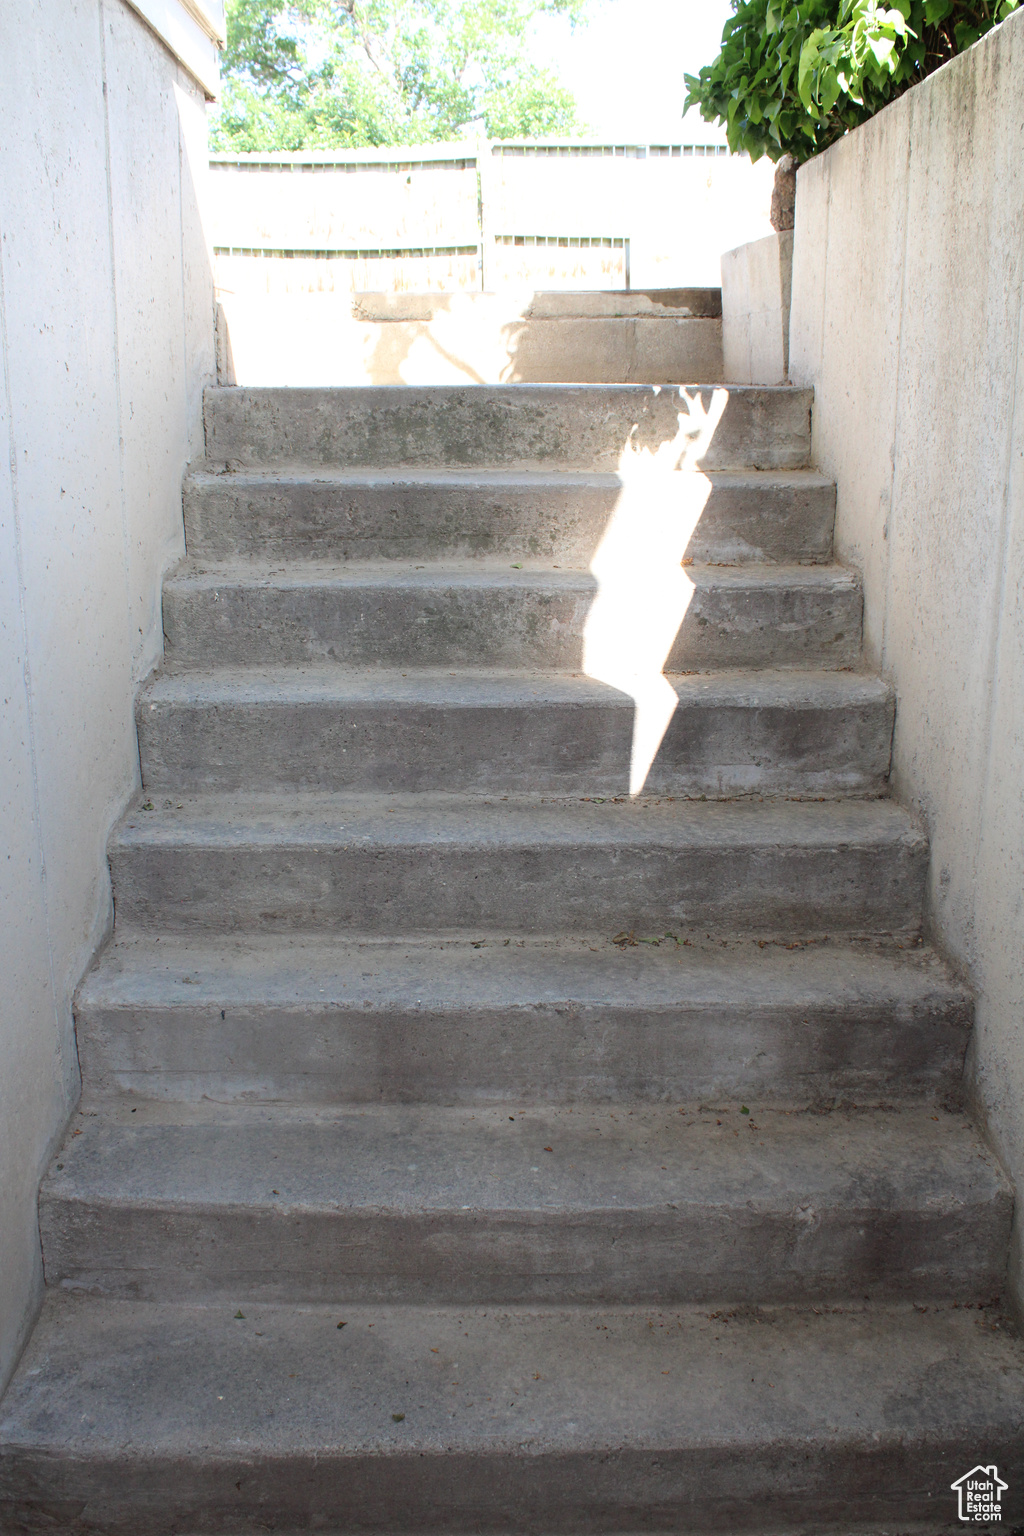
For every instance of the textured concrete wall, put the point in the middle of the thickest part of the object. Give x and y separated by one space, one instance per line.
757 280
907 319
106 335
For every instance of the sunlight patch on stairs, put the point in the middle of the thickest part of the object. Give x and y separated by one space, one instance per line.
643 590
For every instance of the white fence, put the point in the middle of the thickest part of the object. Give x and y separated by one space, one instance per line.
541 214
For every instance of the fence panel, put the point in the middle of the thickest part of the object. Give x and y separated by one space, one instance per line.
539 214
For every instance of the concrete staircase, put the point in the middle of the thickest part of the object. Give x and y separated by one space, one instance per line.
364 1224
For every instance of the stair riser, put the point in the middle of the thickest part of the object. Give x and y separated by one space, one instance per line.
535 1052
696 1254
514 626
709 748
566 1422
385 887
597 351
235 516
589 428
799 1485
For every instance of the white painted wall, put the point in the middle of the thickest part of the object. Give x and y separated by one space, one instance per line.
907 319
106 339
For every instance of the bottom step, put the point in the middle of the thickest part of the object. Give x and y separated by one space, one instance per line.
127 1417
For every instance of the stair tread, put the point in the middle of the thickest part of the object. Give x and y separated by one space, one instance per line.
329 682
342 819
196 1382
277 1160
323 971
433 862
502 614
211 475
487 573
327 511
583 425
321 1020
251 396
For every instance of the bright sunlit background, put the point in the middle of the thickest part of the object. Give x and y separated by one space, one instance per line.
626 67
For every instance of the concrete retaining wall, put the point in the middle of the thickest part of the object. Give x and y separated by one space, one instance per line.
106 335
907 319
757 280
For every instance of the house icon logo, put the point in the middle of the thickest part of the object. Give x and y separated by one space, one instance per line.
980 1492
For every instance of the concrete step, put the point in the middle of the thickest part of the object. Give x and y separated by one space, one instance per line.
323 1021
169 1418
494 1204
492 615
534 304
320 513
326 728
421 863
569 426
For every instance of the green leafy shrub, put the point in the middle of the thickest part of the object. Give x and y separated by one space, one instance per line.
792 79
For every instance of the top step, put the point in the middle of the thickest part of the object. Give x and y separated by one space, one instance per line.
555 304
548 426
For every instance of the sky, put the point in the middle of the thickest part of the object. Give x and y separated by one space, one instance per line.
626 67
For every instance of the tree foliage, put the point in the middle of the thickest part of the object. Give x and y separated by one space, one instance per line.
301 74
790 79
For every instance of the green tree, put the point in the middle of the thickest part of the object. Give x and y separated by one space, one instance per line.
793 78
305 74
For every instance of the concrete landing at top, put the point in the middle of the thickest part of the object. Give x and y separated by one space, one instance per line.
607 304
668 336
